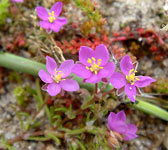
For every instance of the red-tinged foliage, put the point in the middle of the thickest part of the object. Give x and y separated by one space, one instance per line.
142 42
15 43
92 41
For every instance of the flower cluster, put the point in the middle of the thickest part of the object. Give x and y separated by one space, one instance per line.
50 19
94 66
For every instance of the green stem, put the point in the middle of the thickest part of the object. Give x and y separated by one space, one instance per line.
25 65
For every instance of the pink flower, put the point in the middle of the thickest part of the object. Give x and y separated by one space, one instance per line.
56 78
18 1
50 20
93 64
117 123
127 81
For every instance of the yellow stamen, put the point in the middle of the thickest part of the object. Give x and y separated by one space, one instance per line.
131 77
89 61
57 77
51 17
95 66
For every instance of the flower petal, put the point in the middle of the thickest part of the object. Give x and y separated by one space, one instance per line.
131 132
85 53
55 27
101 52
130 90
111 120
45 24
57 8
45 77
81 71
53 89
51 65
131 129
42 13
69 85
117 124
120 116
144 81
61 21
118 80
126 64
66 68
93 79
107 70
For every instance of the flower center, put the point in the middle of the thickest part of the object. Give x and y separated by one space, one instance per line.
131 77
95 65
57 77
51 17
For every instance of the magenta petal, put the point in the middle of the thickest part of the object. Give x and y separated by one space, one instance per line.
102 53
93 79
111 120
85 53
107 70
144 81
117 124
55 27
66 68
69 85
120 116
42 13
132 128
81 71
51 65
130 91
126 64
57 8
45 77
45 24
61 21
131 132
118 80
53 89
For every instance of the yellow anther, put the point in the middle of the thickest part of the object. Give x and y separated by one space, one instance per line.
87 67
93 59
89 61
131 77
51 17
95 65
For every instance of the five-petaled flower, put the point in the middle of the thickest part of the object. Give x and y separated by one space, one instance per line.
57 77
117 123
93 64
50 19
128 79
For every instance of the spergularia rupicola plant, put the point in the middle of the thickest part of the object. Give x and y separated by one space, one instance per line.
127 80
57 78
50 19
94 64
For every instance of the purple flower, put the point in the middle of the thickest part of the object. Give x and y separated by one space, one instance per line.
117 123
56 78
93 65
50 19
127 81
18 1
